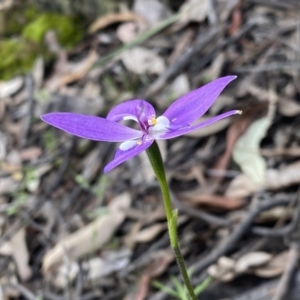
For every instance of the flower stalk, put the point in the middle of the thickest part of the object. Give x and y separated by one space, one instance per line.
172 215
180 118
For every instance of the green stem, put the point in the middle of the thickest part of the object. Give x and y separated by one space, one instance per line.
158 167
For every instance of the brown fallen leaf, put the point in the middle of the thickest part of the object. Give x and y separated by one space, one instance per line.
152 11
30 153
251 260
243 186
89 238
140 60
162 259
68 72
288 107
213 200
293 151
127 32
94 268
237 128
10 87
149 233
283 177
111 19
274 267
20 254
236 20
9 185
226 269
193 11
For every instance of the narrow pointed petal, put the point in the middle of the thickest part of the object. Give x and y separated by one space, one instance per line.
193 105
184 130
129 150
127 110
91 127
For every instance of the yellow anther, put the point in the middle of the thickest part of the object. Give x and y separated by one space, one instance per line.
239 112
139 142
152 121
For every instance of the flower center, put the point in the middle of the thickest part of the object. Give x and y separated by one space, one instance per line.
152 121
160 127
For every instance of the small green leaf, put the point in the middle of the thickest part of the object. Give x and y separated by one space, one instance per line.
203 285
181 291
165 289
82 181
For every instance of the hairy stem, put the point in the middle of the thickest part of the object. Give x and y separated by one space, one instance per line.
158 167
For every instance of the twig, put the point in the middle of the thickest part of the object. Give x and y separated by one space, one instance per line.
23 291
62 168
266 291
209 218
51 296
182 62
237 233
79 283
26 125
283 231
146 257
286 278
267 67
222 44
12 230
276 4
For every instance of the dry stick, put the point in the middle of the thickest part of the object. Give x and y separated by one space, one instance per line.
23 291
182 62
278 4
267 67
225 42
62 169
186 57
145 258
12 231
266 290
282 231
204 216
26 126
51 296
237 233
288 273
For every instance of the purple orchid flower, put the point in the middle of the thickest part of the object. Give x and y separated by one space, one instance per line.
175 121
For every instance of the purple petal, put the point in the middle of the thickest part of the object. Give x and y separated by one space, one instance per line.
193 105
127 110
122 155
91 127
185 130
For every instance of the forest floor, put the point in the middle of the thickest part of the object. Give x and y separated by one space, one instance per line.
69 231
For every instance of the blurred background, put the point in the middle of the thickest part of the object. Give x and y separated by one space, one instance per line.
68 231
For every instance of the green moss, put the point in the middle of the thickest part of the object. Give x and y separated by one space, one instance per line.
29 25
12 21
68 31
17 57
31 13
